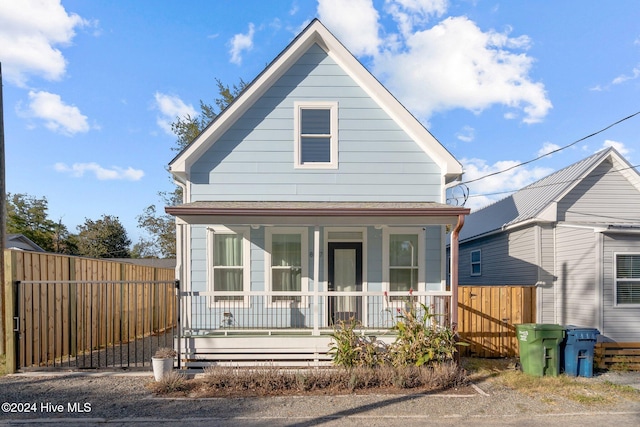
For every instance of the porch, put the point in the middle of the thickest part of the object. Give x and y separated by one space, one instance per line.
249 328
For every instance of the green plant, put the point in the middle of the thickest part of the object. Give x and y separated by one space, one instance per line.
351 350
419 339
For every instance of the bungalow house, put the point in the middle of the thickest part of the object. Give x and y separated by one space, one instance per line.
314 197
575 235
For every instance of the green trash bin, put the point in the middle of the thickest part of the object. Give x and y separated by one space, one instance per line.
540 348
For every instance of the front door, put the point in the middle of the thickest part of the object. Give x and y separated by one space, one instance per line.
345 275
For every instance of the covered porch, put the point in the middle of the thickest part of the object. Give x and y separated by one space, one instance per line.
300 268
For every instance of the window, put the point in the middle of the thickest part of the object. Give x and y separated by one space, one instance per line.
228 263
403 263
627 278
476 263
316 139
286 263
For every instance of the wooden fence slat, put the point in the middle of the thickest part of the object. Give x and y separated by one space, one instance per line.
487 317
55 315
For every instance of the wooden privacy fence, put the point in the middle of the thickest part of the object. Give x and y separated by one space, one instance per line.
617 355
487 316
68 309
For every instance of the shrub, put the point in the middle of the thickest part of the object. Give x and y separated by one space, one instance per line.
419 340
351 350
171 382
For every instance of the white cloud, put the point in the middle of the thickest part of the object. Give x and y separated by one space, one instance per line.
547 147
240 43
103 174
434 68
456 65
493 188
411 13
622 78
171 107
466 134
30 30
619 146
635 73
353 22
58 116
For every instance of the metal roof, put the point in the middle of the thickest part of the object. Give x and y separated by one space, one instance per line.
530 202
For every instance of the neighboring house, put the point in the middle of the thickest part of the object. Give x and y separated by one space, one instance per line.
575 235
21 242
309 197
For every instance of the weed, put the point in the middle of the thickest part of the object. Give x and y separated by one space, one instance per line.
350 349
171 382
165 353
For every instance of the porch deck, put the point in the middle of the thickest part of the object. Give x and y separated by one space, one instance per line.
252 328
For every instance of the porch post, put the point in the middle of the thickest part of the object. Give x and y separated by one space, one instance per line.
454 273
316 281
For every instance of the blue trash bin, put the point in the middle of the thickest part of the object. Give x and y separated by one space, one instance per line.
579 348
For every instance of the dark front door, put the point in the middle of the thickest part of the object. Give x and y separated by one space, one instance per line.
345 275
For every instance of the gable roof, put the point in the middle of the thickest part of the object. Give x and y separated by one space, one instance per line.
537 201
316 33
21 242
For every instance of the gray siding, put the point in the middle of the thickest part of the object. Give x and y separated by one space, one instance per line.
620 323
605 196
508 258
546 275
254 159
576 296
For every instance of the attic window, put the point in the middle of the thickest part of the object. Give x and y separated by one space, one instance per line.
316 135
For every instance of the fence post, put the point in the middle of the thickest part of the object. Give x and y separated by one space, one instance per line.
178 304
10 305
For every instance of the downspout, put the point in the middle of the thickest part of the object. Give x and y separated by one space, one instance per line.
454 272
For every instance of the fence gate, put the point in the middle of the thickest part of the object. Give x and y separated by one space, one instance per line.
93 324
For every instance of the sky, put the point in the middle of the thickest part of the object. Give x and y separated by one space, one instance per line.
90 87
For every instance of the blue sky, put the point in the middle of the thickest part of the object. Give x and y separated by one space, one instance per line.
91 86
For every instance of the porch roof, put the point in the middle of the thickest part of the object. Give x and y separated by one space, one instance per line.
318 212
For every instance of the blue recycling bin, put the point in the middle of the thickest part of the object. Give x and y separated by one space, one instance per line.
579 348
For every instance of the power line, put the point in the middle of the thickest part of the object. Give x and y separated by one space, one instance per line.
552 152
466 194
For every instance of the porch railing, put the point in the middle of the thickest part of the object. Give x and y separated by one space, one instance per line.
207 313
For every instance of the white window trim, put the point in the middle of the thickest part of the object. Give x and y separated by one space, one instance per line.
304 281
615 280
333 108
471 263
386 233
246 265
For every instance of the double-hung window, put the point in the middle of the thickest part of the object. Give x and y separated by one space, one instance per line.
228 263
627 279
403 266
287 264
476 262
316 135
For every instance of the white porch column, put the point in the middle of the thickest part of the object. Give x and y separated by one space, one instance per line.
316 281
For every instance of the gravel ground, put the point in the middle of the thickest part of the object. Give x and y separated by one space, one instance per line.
123 399
134 354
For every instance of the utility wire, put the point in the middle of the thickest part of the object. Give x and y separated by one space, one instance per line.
531 186
552 152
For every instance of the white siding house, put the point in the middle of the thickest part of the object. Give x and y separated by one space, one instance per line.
576 236
314 197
